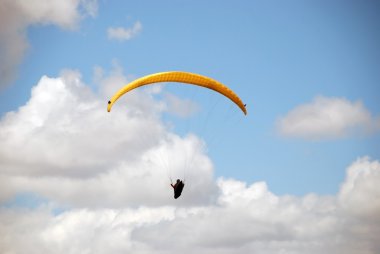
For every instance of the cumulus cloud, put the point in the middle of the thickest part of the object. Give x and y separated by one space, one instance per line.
63 142
100 185
362 183
64 145
17 15
244 219
326 118
124 34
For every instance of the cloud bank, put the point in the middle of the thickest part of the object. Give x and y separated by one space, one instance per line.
328 118
101 187
243 219
17 15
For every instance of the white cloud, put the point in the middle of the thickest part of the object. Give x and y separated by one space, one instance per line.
112 185
245 219
124 34
361 185
70 149
326 118
17 15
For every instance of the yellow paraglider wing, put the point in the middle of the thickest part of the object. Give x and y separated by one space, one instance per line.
180 77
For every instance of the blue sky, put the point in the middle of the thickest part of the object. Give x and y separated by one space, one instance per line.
308 71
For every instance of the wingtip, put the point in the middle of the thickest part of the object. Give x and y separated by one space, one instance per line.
245 109
109 106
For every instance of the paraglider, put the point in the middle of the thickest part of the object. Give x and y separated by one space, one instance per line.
180 77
